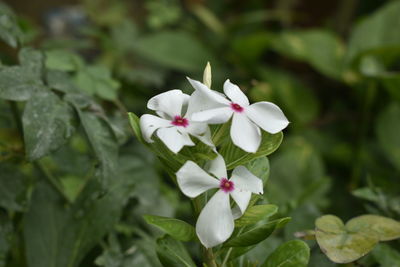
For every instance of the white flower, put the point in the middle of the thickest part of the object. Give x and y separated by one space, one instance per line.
173 127
216 221
246 119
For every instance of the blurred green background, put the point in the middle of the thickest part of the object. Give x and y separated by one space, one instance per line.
332 66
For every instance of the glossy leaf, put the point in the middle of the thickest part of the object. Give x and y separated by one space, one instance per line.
260 168
295 253
135 124
172 253
256 235
234 156
48 123
255 214
178 229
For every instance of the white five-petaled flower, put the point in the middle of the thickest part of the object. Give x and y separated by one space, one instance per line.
246 119
216 221
173 127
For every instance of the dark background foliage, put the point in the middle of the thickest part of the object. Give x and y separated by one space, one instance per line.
74 183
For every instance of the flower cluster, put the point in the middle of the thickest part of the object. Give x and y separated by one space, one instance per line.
182 117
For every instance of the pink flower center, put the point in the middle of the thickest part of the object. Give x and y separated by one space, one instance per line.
179 121
226 185
237 107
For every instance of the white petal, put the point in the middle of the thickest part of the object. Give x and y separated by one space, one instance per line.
205 137
186 138
193 180
150 123
242 199
215 224
236 212
213 116
212 95
199 101
244 133
196 128
235 94
268 116
173 139
244 180
169 102
217 167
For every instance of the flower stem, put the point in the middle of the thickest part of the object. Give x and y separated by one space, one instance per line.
209 258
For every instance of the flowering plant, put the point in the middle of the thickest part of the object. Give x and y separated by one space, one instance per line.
214 147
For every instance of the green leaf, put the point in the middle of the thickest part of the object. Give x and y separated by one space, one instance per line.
32 59
290 93
103 142
60 81
235 156
178 229
386 256
48 124
6 231
63 60
321 49
14 188
376 32
387 128
256 235
386 228
304 181
70 231
10 31
255 214
172 253
173 49
347 243
135 124
294 253
260 168
18 83
97 80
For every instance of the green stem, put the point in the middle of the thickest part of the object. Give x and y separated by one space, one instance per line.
209 258
228 254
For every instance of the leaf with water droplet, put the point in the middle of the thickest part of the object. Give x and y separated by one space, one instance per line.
48 123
